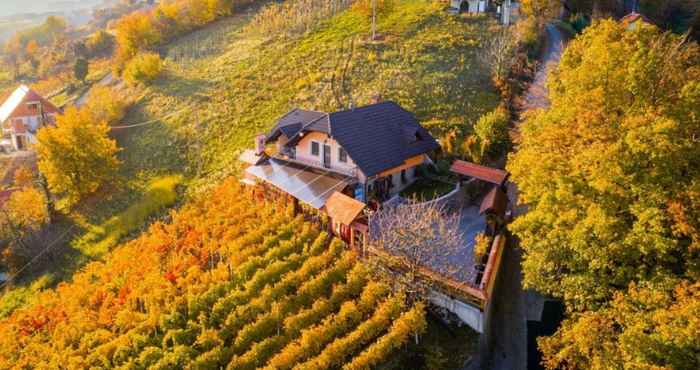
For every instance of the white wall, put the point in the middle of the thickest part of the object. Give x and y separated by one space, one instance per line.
304 151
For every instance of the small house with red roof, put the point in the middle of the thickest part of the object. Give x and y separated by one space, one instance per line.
634 20
21 115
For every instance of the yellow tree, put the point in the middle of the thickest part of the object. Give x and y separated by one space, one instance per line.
611 177
23 177
652 326
105 105
76 156
135 32
541 10
27 209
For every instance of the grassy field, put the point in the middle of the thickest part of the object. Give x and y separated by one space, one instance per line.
224 85
99 239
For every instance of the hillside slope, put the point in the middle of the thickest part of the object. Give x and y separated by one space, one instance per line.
214 288
226 83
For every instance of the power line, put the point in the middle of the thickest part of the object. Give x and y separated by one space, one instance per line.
46 249
148 122
137 124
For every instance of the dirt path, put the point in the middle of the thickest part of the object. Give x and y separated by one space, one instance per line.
536 95
9 163
106 80
512 305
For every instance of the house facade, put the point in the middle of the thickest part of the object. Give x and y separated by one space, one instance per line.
507 11
21 116
367 155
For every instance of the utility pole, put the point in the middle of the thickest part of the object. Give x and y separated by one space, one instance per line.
374 20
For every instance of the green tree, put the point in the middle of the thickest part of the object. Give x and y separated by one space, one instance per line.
492 131
80 69
143 68
76 156
611 177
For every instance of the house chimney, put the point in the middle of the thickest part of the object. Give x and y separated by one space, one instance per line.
377 98
259 144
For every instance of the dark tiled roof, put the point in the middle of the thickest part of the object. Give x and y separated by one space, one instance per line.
291 130
321 124
380 136
377 137
291 122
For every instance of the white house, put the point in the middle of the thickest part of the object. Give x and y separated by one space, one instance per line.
506 10
21 115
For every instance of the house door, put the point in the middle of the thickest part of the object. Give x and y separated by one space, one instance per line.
20 142
327 156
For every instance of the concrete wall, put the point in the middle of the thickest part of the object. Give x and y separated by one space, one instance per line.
469 314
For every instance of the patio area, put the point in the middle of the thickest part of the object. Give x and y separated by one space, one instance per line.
458 264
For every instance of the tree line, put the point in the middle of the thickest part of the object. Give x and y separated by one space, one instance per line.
610 173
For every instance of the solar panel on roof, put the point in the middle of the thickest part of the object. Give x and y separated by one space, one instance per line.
309 187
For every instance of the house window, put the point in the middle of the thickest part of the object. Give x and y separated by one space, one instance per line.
342 155
315 148
403 176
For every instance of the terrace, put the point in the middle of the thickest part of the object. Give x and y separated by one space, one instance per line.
465 273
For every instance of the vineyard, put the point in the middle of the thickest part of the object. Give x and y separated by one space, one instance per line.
225 284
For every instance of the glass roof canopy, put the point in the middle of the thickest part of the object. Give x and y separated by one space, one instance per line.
300 182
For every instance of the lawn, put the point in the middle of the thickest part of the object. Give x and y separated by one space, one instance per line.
425 189
99 239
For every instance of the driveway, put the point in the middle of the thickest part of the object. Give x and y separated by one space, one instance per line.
512 306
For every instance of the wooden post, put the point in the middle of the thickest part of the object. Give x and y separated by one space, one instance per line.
352 237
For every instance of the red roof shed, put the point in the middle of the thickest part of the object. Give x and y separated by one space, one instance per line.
488 174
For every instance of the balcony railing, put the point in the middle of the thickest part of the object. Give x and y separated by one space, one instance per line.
350 172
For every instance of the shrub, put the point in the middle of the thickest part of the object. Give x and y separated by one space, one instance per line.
528 35
99 43
481 246
105 105
492 131
144 68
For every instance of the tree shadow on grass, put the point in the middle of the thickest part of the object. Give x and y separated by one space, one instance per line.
175 85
